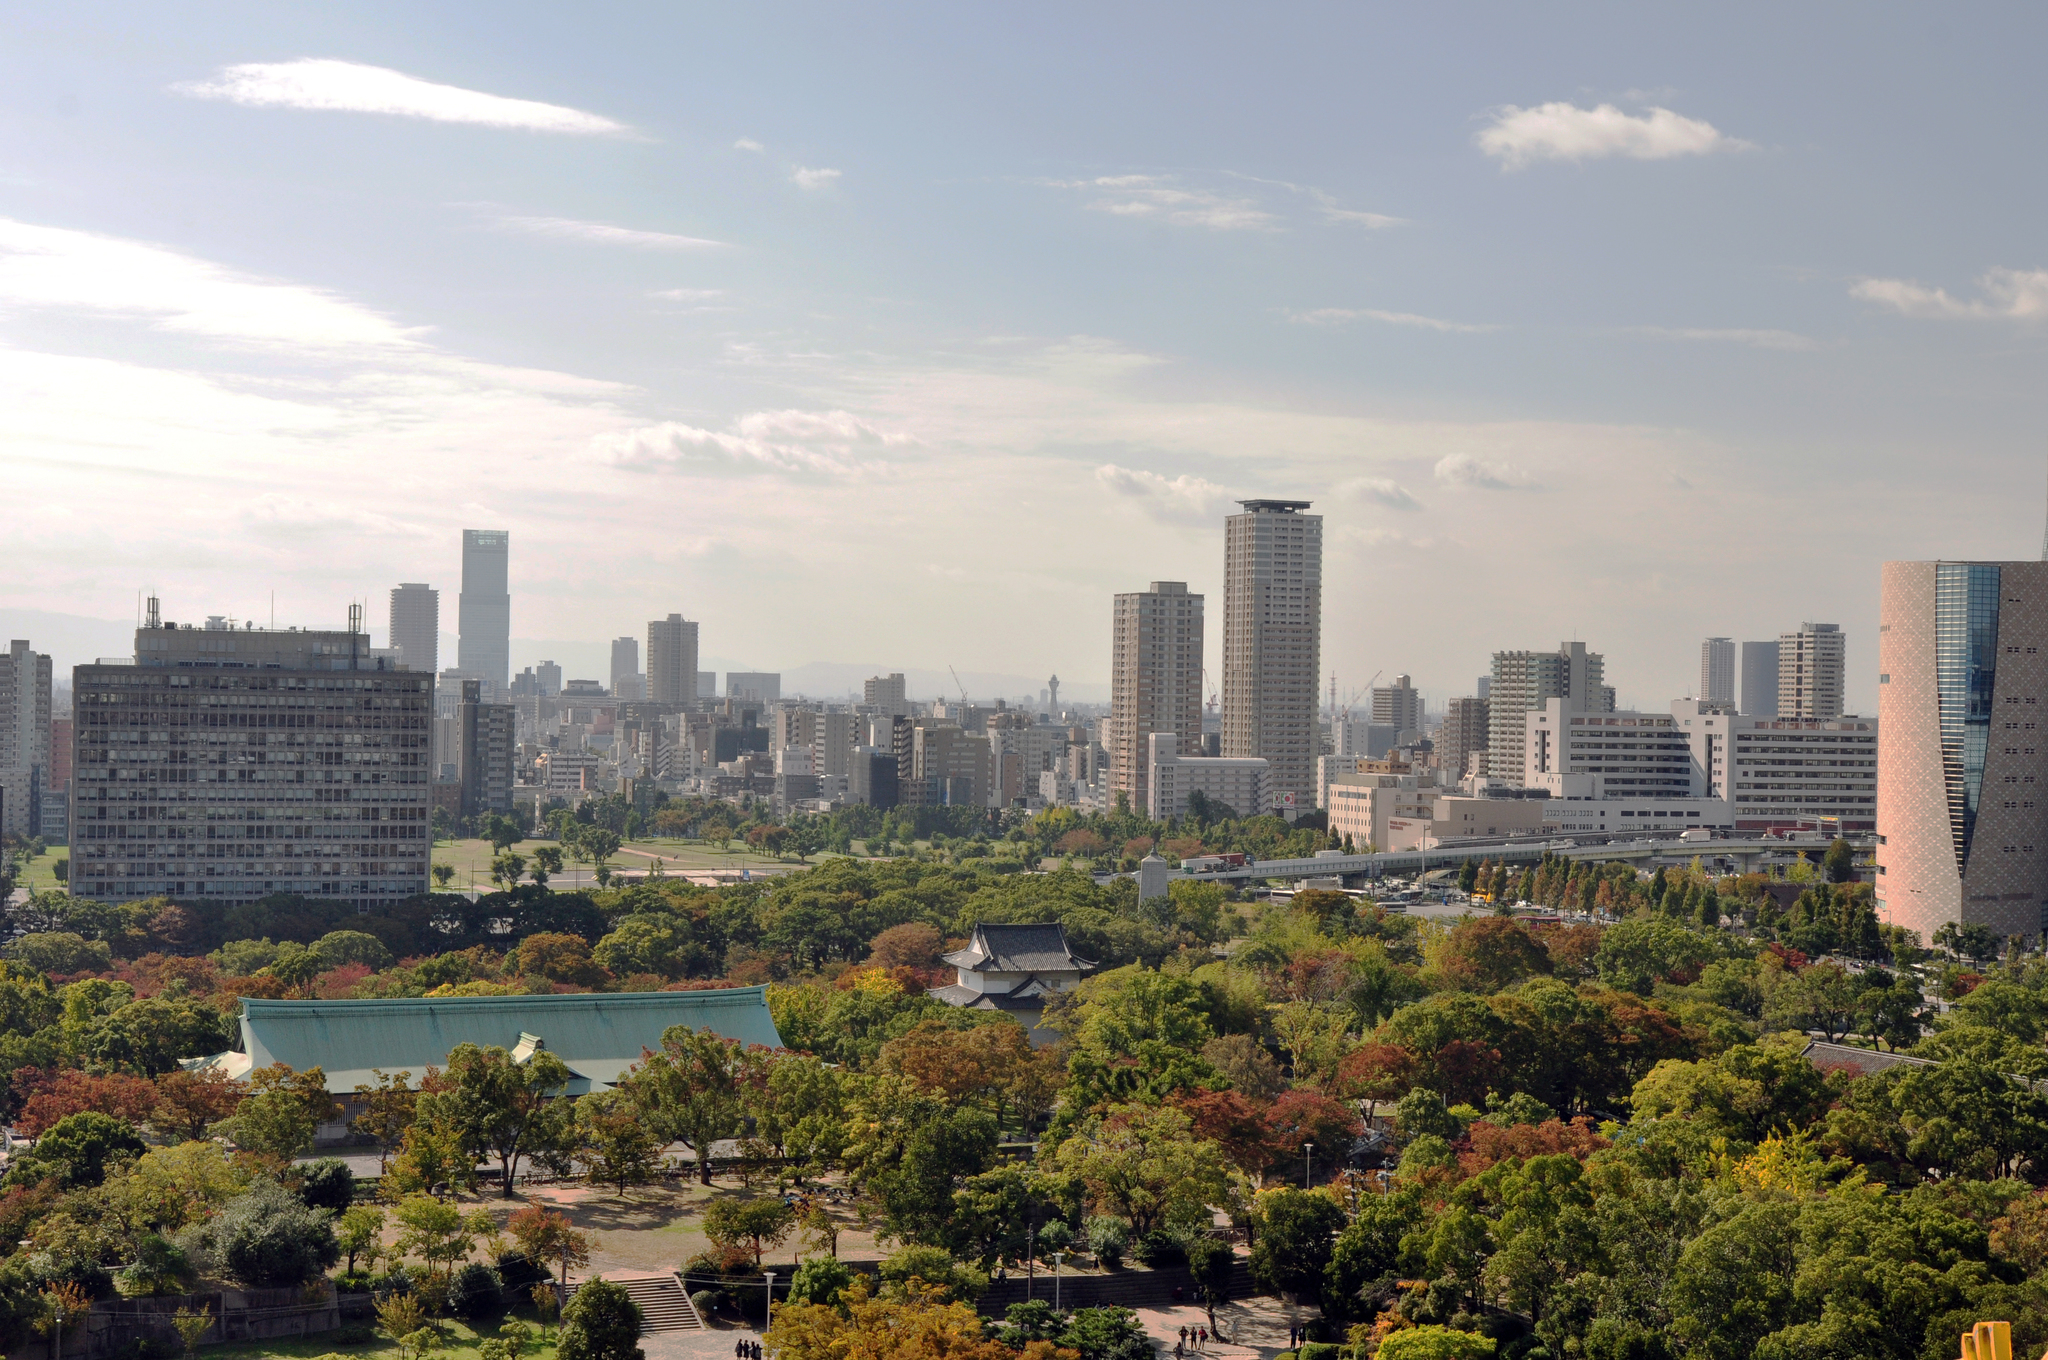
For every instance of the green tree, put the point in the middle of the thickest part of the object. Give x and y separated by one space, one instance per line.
267 1238
619 1148
692 1091
80 1148
360 1232
505 1107
1296 1237
547 861
601 1323
1142 1163
1840 862
753 1224
283 1112
506 868
444 874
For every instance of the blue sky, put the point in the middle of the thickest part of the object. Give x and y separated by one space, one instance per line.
907 336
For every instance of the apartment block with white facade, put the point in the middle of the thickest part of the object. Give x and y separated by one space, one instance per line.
1606 755
1155 683
1242 783
1811 663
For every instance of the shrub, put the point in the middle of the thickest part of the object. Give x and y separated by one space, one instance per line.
327 1184
1108 1238
266 1238
1435 1343
707 1302
518 1273
1317 1350
1157 1249
934 1265
819 1280
478 1292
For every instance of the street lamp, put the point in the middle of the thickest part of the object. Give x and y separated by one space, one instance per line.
1057 1257
769 1320
1307 1159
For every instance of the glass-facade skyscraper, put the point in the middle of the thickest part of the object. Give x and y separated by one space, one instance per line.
1962 787
484 647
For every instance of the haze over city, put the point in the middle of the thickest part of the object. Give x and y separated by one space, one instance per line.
908 338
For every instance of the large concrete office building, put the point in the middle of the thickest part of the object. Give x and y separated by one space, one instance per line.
1398 706
672 660
485 746
484 646
1523 681
228 764
1155 679
1962 783
1172 779
1272 643
1810 671
24 738
416 627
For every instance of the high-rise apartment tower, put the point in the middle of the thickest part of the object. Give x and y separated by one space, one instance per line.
1717 671
24 738
416 627
1810 665
1398 706
1465 733
484 645
672 660
1272 642
626 660
1155 684
1527 680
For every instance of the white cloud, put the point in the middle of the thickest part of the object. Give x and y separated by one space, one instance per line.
1332 212
1335 316
2008 294
1185 499
834 443
53 267
1383 491
347 86
1565 132
1760 339
805 178
748 144
688 294
1462 469
604 233
1160 197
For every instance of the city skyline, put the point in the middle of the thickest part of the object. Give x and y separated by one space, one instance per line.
781 326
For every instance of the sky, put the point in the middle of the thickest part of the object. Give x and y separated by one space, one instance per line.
905 336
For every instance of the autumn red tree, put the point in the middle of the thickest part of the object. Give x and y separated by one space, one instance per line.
52 1095
1302 1116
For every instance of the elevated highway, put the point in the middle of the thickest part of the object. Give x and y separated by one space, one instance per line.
1746 854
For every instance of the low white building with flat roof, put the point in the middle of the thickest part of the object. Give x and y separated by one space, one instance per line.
1242 783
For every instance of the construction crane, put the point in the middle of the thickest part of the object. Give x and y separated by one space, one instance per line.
962 688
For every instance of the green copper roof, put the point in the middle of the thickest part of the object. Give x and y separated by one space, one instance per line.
599 1035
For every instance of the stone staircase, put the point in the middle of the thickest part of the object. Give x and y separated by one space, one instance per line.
663 1303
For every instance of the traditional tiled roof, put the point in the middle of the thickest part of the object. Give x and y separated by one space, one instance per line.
599 1035
1861 1061
1019 949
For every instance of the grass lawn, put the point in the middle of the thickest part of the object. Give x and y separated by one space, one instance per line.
457 1339
471 860
40 873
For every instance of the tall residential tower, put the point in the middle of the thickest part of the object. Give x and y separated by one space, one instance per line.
672 660
1528 680
1272 642
1717 671
1155 683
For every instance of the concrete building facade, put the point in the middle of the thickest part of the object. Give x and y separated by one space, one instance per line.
1155 681
763 687
415 626
485 752
228 764
24 738
1524 681
1962 786
1398 706
671 660
1606 755
1244 785
484 644
1465 735
1810 671
1272 642
1717 671
887 695
626 661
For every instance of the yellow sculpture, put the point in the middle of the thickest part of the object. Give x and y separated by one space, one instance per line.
1988 1341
